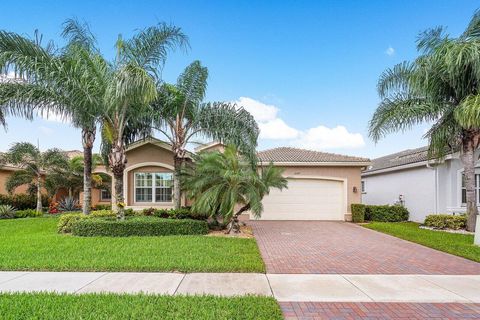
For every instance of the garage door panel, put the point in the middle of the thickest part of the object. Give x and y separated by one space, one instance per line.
305 199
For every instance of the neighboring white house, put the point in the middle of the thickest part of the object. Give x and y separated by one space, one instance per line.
424 186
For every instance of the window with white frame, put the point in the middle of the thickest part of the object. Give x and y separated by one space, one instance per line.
105 195
477 189
153 186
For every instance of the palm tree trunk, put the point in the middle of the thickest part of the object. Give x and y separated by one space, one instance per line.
39 193
177 191
88 138
70 192
234 223
468 160
118 160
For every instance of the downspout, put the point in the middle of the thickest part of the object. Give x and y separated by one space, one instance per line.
435 195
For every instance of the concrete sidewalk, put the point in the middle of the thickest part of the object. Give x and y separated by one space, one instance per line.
284 287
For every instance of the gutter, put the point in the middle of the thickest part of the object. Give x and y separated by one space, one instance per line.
316 164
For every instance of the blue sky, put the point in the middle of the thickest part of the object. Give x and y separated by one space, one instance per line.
307 70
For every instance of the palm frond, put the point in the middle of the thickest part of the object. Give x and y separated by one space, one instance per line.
19 178
473 28
397 78
148 49
400 113
78 33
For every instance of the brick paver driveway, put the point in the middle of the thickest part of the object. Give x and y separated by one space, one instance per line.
345 248
370 310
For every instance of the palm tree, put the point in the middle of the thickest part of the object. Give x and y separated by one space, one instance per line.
130 89
78 83
68 81
71 176
441 86
35 166
180 114
226 184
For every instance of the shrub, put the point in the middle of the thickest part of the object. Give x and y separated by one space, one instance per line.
138 226
358 212
23 201
67 220
68 204
182 213
102 214
386 213
446 221
7 211
103 207
28 213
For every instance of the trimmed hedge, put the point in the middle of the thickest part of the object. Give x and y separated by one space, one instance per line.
66 221
23 201
28 213
138 226
358 212
386 213
446 221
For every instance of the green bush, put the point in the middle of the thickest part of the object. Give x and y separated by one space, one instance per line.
138 226
358 212
66 221
446 221
23 201
102 214
103 207
386 213
28 213
182 213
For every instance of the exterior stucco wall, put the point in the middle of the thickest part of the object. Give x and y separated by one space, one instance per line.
352 175
149 153
417 185
4 174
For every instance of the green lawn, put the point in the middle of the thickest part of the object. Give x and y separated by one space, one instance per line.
457 244
47 306
33 244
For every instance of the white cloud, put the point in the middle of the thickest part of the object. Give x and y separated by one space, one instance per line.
260 111
321 138
46 130
390 51
277 129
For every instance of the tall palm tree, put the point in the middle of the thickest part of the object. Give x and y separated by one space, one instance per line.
69 81
181 115
226 184
440 86
35 166
130 89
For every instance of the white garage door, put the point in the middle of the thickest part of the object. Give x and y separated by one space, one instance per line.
305 199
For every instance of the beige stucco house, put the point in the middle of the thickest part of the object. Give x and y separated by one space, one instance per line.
321 186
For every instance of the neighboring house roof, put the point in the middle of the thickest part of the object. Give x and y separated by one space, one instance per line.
73 153
399 159
208 146
302 156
